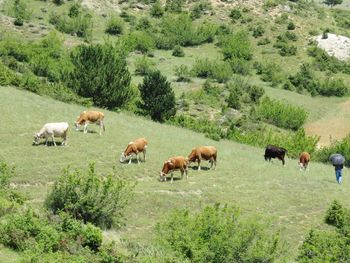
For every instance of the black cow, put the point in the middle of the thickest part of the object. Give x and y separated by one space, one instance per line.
273 151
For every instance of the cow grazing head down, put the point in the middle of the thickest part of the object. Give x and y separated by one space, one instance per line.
167 166
36 139
123 157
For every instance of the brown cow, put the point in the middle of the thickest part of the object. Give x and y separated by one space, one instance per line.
135 147
87 117
304 160
208 153
174 163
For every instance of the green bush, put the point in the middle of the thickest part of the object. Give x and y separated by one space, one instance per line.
290 26
336 215
269 72
237 46
90 197
217 234
156 10
233 100
281 114
143 66
287 50
115 26
141 41
174 6
58 2
178 51
258 31
100 73
333 87
157 97
182 73
305 79
219 71
235 14
20 12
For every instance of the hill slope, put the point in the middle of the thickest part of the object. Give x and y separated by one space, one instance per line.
293 201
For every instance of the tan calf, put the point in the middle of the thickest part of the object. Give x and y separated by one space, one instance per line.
87 117
135 147
172 164
208 153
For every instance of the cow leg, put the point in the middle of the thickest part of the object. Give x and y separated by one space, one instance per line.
53 139
137 158
144 155
211 162
101 127
172 176
85 127
199 164
46 139
129 160
186 173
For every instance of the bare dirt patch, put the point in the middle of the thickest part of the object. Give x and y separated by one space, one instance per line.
102 6
335 45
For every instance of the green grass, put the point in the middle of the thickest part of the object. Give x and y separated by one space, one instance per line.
293 201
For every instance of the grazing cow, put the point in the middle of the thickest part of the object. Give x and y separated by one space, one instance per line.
57 129
207 153
304 160
272 151
87 117
174 163
135 147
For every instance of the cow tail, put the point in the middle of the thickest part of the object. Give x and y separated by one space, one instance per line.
103 124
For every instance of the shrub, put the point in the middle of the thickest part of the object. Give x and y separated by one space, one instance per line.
90 197
58 2
115 26
269 72
217 234
20 11
157 97
220 71
258 31
235 14
100 72
336 215
174 6
233 100
237 46
290 26
156 10
333 87
281 114
287 50
305 79
143 66
141 41
74 10
178 51
182 73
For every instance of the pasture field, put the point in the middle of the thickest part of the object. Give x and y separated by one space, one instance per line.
290 200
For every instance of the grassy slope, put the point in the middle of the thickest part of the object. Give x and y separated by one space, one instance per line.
293 201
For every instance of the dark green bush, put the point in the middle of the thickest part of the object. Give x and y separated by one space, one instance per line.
290 26
178 51
258 31
174 6
217 234
269 72
281 114
141 41
287 50
20 12
305 79
235 14
342 18
100 73
115 26
233 100
219 71
333 87
237 46
58 2
90 197
336 215
144 24
157 97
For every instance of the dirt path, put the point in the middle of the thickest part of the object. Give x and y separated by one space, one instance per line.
332 127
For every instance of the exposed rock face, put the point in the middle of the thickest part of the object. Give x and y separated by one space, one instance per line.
335 45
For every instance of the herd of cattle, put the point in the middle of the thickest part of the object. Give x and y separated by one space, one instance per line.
208 153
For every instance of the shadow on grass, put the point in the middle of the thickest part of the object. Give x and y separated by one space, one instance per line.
133 161
88 131
177 178
202 168
49 144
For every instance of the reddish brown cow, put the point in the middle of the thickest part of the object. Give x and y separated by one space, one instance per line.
87 117
304 160
174 163
135 147
208 153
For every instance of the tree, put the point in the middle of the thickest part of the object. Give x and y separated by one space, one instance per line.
100 72
157 97
332 3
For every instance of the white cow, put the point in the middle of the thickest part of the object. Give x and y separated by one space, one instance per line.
56 129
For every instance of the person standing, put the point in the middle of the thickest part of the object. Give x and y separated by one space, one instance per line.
338 161
338 172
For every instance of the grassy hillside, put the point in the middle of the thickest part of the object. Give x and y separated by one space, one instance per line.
291 200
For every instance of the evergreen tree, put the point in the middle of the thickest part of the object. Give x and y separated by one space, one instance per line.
100 72
157 97
333 2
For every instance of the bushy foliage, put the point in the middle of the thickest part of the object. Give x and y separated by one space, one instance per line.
182 73
143 66
140 41
217 70
290 26
333 87
341 146
90 197
157 97
342 18
178 51
237 46
203 125
157 10
328 245
258 31
235 14
20 12
115 26
323 61
305 80
281 114
100 73
174 6
269 72
217 234
77 23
